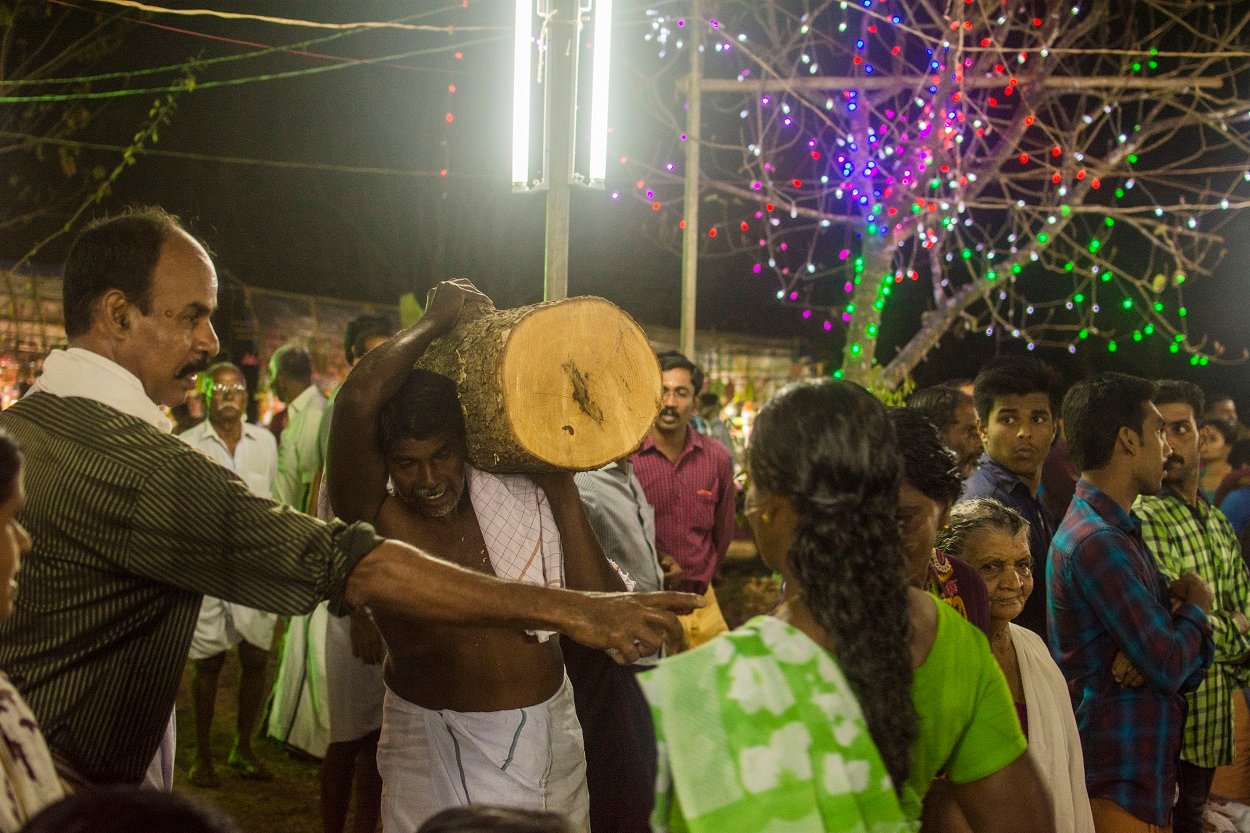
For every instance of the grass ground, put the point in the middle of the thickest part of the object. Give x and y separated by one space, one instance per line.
290 802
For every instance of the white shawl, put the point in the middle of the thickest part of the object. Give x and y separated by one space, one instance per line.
519 530
88 375
1053 739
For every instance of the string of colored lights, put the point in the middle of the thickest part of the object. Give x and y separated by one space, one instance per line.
959 149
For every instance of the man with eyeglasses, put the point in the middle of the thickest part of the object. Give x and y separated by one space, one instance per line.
1186 534
251 453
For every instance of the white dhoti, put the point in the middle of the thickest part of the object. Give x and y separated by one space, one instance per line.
222 625
299 715
355 688
531 757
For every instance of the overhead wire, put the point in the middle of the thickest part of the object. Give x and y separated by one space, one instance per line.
285 21
240 160
233 82
261 50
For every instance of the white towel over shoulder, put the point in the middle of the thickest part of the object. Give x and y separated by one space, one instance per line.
519 530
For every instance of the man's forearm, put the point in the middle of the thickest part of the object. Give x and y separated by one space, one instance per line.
406 582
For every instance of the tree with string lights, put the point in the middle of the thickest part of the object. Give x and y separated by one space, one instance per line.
1051 173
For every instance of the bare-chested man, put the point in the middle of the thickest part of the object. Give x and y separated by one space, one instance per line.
472 715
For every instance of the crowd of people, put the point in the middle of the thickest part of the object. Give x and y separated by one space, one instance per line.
1004 607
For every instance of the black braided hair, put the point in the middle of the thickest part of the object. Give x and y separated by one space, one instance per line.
830 448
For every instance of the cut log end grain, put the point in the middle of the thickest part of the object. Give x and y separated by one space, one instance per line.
581 385
569 384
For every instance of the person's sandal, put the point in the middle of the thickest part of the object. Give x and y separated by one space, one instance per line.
249 770
203 775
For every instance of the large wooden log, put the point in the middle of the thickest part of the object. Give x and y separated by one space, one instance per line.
569 384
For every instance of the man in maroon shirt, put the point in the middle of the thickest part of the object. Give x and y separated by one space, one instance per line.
688 478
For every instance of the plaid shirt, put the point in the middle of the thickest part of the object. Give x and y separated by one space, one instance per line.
1106 596
1199 539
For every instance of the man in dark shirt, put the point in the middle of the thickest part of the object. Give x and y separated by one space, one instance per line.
1110 607
1016 399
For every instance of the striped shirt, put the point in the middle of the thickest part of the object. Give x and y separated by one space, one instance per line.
1106 596
694 504
1199 539
131 527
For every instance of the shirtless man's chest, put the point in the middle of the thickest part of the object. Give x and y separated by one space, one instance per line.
461 668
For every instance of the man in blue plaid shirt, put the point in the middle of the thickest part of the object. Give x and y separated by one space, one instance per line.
1108 598
1186 534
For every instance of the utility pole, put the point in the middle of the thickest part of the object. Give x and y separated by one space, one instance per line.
690 205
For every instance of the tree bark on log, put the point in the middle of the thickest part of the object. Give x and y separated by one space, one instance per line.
563 385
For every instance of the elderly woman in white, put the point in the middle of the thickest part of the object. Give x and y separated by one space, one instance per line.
995 541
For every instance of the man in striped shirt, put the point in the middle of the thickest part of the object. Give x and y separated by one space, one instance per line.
132 527
688 478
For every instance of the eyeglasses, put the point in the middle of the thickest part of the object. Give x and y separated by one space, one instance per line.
992 570
227 389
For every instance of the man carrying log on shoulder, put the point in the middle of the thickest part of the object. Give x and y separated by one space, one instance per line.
472 713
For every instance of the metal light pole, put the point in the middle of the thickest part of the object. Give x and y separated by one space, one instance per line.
562 22
690 203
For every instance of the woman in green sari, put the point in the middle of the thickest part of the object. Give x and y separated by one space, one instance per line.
772 727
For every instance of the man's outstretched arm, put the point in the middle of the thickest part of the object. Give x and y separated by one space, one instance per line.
403 581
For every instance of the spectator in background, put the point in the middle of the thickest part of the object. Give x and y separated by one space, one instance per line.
688 478
1233 495
994 540
1112 612
930 487
299 454
616 726
250 452
28 779
353 656
1016 400
298 714
1186 534
1222 408
951 411
1217 443
708 422
1059 476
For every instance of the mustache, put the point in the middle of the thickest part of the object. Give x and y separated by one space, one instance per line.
668 412
430 492
195 367
1174 460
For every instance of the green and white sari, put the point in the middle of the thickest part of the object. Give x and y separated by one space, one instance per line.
758 731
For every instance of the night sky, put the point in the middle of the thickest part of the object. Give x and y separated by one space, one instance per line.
374 235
